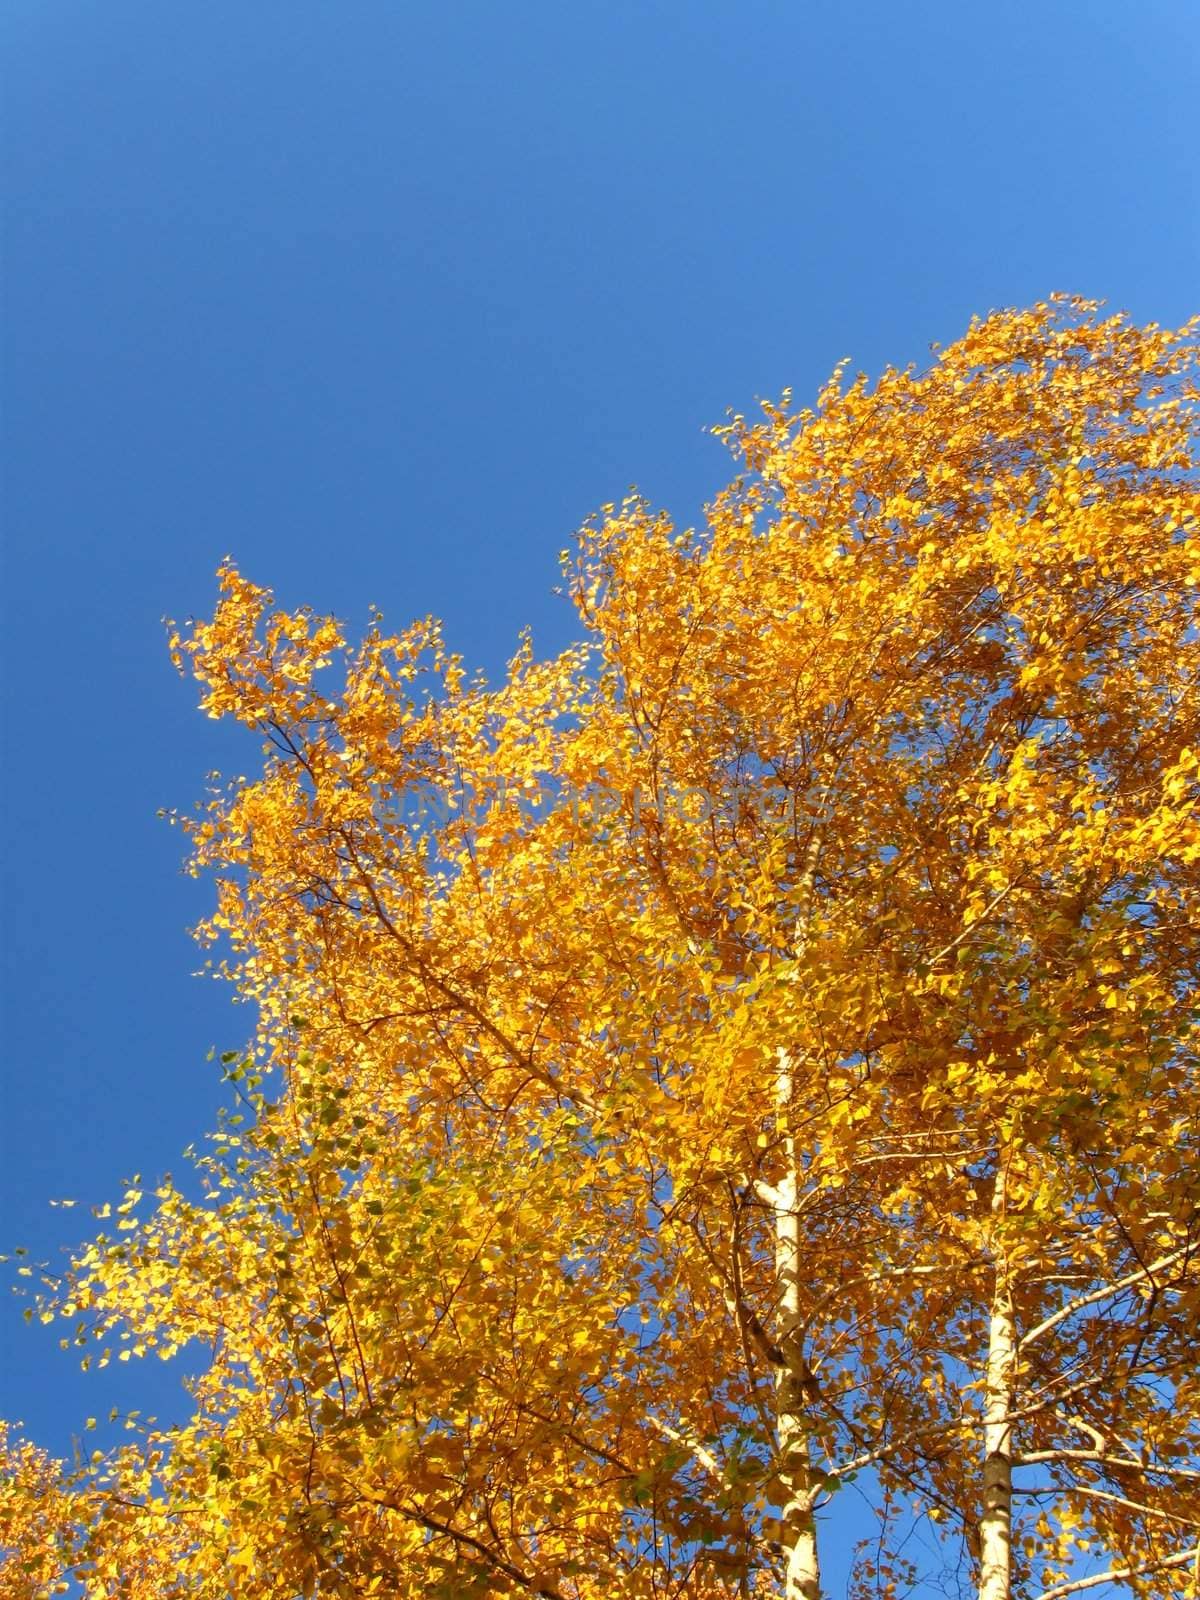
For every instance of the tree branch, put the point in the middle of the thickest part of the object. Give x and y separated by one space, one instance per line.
702 1454
1033 1458
1060 1490
1119 1574
488 1556
1106 1292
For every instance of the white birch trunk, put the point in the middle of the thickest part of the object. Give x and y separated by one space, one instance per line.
798 1528
995 1528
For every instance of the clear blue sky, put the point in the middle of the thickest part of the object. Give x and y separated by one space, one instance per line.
385 298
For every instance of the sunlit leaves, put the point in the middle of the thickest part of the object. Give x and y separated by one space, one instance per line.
642 1043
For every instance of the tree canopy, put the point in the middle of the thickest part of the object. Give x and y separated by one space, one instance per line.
745 1061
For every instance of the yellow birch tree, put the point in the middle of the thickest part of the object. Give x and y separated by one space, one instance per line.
745 1062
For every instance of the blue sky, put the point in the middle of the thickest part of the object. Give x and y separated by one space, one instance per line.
384 299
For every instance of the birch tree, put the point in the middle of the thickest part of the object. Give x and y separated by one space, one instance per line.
743 1063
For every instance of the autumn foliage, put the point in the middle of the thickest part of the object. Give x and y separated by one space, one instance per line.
743 1065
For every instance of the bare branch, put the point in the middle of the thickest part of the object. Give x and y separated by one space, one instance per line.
1119 1574
1106 1292
1061 1489
1033 1458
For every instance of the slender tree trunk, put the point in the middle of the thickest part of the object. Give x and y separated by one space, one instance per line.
995 1528
802 1574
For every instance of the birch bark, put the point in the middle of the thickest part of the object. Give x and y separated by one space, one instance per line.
995 1528
802 1572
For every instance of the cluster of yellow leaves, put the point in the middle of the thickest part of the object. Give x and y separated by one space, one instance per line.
35 1519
